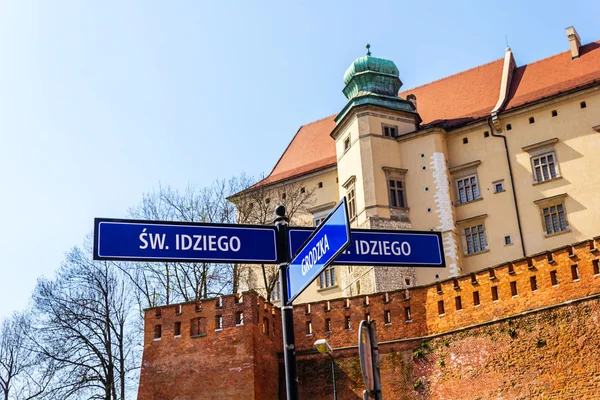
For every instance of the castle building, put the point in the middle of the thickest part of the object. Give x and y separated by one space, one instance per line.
500 158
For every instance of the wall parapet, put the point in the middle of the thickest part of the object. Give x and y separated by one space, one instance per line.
511 288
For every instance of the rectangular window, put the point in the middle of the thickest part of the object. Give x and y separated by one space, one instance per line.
475 237
239 318
441 310
513 288
178 309
348 327
308 328
388 317
396 188
390 130
544 167
407 314
554 219
327 306
218 323
351 203
596 266
507 240
158 312
318 221
494 293
468 190
553 278
476 298
328 325
458 303
265 326
307 308
346 143
499 187
157 331
533 283
327 278
575 272
177 329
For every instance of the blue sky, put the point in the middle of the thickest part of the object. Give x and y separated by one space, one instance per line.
102 101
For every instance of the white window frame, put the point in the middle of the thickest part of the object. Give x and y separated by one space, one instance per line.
461 173
473 188
552 205
551 167
327 278
538 151
466 232
476 233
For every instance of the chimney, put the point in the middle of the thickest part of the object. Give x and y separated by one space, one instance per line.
413 99
574 42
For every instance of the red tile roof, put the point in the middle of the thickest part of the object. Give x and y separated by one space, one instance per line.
554 75
453 101
459 98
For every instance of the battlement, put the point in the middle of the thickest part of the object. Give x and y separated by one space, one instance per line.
509 289
239 341
210 317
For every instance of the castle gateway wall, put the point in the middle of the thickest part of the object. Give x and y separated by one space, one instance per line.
519 330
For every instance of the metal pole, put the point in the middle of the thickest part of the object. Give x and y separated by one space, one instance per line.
375 358
333 375
287 311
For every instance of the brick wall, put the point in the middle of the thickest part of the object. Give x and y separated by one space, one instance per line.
484 347
204 362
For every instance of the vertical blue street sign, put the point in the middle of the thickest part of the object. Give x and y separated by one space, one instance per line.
321 248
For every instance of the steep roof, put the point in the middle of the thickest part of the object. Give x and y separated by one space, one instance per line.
453 101
310 150
554 75
459 98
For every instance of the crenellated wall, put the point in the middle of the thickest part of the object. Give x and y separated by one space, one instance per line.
243 361
239 360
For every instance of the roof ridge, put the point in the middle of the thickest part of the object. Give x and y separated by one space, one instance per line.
453 75
557 54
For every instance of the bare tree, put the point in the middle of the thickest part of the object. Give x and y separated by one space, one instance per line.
256 205
169 282
24 375
85 327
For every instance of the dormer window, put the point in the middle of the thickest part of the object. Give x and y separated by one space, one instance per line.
390 130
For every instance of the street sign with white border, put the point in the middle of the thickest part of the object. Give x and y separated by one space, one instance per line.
319 250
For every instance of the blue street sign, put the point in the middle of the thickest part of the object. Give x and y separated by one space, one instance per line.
389 248
319 250
135 240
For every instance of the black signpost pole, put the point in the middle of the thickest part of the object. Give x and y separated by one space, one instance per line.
287 311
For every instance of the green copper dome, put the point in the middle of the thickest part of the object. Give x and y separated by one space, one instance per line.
371 75
372 80
368 63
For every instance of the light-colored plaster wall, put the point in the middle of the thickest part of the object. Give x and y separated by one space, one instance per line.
577 156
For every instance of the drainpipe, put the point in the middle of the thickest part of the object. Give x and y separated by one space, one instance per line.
512 182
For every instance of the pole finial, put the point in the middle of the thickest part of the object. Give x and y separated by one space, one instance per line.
368 46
